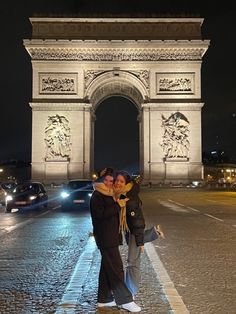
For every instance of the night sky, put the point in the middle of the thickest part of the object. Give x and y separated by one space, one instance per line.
218 75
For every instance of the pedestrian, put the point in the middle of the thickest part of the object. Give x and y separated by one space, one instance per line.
105 210
132 223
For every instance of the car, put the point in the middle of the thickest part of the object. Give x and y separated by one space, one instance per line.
30 195
76 193
5 188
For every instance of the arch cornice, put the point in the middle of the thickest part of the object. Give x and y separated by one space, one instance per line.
116 83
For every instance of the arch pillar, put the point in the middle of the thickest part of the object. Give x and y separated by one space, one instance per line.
75 164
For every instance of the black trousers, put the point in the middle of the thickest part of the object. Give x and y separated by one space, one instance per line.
111 278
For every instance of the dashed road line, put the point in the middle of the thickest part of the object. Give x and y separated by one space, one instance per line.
188 207
208 215
234 226
175 300
75 286
173 206
194 209
176 203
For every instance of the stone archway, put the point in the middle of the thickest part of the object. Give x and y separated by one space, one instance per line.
118 83
154 62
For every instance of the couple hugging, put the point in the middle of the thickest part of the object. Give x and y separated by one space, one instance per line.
116 210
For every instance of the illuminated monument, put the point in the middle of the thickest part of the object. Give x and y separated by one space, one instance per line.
79 62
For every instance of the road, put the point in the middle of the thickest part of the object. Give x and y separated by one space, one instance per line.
49 262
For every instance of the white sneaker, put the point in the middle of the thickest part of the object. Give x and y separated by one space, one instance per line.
131 307
108 304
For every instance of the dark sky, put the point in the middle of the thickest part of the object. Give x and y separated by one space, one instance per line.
218 67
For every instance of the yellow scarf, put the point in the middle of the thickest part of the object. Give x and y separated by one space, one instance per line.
123 222
103 189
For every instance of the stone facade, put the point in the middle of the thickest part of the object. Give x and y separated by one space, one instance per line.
72 76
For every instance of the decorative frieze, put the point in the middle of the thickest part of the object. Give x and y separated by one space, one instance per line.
57 139
103 54
175 83
142 75
175 140
90 75
57 83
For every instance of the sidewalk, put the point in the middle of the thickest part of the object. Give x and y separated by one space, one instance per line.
151 298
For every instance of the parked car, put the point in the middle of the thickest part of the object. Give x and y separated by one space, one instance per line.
31 195
76 193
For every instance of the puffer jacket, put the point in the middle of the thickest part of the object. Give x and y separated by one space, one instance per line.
134 214
105 219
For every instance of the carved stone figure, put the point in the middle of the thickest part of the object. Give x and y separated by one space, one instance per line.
175 142
57 138
177 84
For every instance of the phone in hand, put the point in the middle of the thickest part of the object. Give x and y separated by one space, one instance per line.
122 197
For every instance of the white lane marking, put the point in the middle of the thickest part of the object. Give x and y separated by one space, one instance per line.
78 278
208 215
176 203
234 226
9 229
194 209
174 299
173 206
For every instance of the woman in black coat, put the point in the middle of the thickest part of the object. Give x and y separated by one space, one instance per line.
105 210
132 222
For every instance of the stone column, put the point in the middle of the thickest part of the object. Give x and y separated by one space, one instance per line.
80 163
146 147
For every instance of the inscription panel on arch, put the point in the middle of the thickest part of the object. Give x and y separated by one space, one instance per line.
175 83
58 83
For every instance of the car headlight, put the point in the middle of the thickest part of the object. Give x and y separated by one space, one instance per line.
90 194
32 197
9 198
64 194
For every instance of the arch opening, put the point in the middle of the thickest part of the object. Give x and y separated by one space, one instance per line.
116 135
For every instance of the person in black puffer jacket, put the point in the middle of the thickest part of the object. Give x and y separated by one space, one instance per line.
132 223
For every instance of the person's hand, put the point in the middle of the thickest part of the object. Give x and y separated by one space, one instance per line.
122 202
142 248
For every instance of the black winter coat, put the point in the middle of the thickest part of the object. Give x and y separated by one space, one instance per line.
105 219
134 214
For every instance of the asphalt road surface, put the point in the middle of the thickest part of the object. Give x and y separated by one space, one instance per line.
49 262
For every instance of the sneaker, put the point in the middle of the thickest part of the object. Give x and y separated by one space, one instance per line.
131 307
108 304
159 231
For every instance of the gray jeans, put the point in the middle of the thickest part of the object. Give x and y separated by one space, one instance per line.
132 274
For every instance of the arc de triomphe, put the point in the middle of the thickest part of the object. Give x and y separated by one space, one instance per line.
79 62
